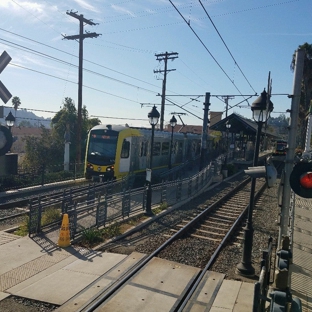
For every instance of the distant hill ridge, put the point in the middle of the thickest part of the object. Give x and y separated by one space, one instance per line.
29 118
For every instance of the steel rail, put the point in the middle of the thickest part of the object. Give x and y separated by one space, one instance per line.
107 293
215 254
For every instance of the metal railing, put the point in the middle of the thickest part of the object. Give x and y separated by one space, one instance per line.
105 203
262 286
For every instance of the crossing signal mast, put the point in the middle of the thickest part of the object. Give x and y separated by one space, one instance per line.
301 176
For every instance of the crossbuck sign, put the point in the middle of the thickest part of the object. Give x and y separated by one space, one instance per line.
5 94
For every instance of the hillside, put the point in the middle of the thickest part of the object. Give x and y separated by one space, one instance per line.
28 119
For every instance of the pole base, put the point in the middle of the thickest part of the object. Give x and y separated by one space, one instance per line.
245 269
149 213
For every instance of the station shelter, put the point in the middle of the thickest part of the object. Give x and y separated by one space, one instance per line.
239 136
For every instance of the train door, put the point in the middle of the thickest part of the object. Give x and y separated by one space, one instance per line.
143 154
125 164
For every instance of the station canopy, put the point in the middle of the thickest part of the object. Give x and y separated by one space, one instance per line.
240 125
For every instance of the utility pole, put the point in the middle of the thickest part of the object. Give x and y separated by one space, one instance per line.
80 37
164 57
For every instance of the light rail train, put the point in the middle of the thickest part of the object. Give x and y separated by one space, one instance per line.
114 151
280 148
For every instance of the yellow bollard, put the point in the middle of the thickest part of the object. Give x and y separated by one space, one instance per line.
64 239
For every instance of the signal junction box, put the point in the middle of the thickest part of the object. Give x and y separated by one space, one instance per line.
268 171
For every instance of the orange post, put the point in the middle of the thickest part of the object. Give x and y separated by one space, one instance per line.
64 239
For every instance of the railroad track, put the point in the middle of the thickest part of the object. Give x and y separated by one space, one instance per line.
214 224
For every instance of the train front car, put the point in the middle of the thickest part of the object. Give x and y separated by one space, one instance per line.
101 152
280 148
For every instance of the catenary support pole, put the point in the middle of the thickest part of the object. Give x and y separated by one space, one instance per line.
203 151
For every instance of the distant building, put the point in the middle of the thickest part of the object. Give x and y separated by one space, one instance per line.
214 117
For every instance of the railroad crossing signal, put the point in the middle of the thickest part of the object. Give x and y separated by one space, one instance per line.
6 140
5 94
301 179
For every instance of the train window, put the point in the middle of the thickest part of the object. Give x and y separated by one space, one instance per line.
143 151
156 149
165 148
125 151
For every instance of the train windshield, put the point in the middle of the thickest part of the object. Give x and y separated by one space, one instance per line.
281 146
102 147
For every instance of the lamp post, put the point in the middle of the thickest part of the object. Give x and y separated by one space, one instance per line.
10 120
228 126
260 113
153 117
173 123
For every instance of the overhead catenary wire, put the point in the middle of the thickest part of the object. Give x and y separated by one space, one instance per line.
200 40
213 24
192 4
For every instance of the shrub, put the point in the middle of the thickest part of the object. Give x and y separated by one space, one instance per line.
91 236
50 215
23 228
162 206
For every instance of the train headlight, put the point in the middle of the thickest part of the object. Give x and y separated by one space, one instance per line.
111 168
89 166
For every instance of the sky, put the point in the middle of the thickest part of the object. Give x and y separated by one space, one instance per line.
224 47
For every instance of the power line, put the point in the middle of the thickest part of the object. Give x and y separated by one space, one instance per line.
70 64
74 82
59 50
111 117
67 63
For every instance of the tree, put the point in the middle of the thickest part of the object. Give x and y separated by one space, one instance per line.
16 103
67 118
306 88
25 124
49 148
42 150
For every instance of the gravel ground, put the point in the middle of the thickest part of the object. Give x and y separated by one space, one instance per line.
264 224
199 251
16 304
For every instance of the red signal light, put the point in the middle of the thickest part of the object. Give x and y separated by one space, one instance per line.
306 180
301 179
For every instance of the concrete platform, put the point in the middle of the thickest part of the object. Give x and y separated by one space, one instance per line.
39 270
301 268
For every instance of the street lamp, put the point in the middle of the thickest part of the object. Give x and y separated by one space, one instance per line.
173 123
260 113
228 126
10 120
153 117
